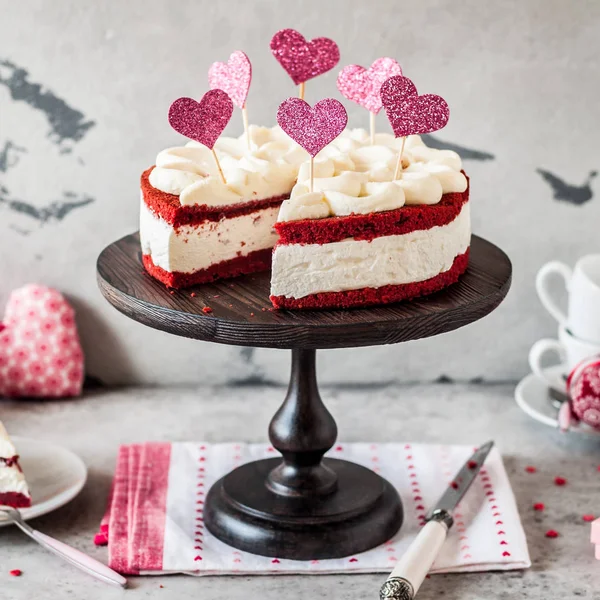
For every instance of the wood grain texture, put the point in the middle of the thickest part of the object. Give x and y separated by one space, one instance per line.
242 314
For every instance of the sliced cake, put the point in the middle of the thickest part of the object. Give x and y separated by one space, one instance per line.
13 487
362 238
195 228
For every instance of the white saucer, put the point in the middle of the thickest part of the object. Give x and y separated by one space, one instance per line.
55 475
532 398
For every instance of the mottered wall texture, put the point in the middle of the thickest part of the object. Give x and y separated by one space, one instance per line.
84 93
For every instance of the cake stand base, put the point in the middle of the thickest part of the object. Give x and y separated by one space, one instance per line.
363 512
303 506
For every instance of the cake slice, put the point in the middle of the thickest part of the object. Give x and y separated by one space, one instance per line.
361 238
13 487
194 228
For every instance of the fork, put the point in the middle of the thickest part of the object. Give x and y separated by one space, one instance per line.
75 557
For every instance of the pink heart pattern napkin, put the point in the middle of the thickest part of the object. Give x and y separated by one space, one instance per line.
154 520
40 353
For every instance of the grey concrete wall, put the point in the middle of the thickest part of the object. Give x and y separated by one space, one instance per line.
84 92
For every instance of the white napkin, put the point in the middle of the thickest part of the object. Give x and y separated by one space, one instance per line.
155 514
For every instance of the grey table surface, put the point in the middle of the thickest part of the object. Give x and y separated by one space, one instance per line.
95 425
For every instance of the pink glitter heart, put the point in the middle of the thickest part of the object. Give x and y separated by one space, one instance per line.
233 78
312 128
363 86
202 121
304 60
409 113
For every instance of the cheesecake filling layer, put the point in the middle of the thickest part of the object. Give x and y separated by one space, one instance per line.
190 248
303 269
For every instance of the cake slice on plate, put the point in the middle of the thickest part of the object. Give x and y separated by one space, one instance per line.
13 487
194 228
363 237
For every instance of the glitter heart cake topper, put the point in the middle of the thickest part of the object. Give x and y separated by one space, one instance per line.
202 121
409 113
312 128
233 77
302 59
363 86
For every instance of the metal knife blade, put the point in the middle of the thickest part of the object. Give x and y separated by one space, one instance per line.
410 572
462 480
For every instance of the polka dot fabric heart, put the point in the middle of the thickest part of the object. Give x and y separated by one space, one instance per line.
40 352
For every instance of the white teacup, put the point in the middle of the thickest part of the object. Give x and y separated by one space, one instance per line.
583 285
570 351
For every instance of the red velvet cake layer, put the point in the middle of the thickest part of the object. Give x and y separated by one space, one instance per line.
14 499
260 260
386 294
167 206
367 227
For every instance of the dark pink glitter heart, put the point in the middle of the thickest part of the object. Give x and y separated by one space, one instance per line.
202 121
232 77
312 128
363 86
409 113
303 60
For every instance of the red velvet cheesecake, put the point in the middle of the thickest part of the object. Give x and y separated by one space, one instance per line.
362 238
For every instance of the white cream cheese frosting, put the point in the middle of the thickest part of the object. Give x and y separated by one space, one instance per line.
351 176
300 270
269 169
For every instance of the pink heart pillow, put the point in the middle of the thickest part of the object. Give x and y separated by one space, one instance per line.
40 353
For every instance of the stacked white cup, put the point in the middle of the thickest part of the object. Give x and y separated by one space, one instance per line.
579 327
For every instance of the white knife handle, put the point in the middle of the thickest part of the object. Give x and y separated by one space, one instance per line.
409 573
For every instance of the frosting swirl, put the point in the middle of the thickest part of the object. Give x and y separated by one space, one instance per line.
267 170
353 176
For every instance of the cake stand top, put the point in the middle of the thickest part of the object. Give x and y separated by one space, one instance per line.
242 314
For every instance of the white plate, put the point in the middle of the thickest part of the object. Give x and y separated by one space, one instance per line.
532 397
55 475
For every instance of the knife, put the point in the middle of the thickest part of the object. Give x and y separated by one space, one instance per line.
407 577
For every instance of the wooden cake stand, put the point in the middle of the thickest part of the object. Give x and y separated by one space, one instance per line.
303 506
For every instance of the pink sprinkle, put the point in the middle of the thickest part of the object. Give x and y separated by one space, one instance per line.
539 506
552 534
531 469
16 572
560 481
588 518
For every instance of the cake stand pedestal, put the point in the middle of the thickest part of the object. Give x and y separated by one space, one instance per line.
299 506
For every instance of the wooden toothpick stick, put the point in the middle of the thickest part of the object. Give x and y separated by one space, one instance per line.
219 166
372 124
399 163
301 91
246 126
311 172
